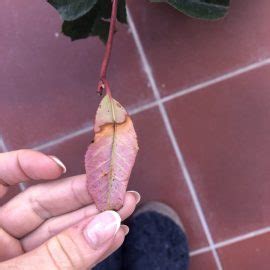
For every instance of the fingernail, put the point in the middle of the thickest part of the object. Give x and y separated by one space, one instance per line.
136 195
125 228
102 228
59 163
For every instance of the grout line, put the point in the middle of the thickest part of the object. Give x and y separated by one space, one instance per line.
88 128
159 102
172 137
199 251
64 138
143 108
3 145
231 241
216 80
182 92
22 186
242 237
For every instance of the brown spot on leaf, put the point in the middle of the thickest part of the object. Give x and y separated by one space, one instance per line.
109 128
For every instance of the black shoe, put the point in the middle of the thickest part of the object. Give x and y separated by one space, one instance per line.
156 240
113 262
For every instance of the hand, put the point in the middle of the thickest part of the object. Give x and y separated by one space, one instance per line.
54 225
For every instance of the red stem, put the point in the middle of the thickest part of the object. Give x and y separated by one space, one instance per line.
103 83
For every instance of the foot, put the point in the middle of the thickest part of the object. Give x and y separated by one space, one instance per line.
156 241
113 262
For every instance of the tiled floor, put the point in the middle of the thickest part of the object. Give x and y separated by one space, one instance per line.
223 133
202 261
191 51
200 98
249 254
51 81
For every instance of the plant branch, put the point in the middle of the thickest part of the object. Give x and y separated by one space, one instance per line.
103 83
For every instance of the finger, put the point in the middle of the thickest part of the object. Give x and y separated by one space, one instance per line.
25 165
41 202
118 241
78 247
9 246
132 198
55 225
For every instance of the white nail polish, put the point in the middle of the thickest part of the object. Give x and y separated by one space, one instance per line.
59 163
137 195
102 228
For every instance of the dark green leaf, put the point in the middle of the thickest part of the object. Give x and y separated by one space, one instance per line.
121 11
105 8
202 9
101 29
82 27
72 9
94 22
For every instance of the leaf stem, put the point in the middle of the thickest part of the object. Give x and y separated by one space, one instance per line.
103 83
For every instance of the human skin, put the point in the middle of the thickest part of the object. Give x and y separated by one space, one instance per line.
54 225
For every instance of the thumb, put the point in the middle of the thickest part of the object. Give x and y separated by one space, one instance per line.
79 247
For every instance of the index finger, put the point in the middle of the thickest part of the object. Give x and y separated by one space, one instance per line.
24 165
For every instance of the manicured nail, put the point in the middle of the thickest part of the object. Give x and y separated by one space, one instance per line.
136 195
125 228
59 163
102 228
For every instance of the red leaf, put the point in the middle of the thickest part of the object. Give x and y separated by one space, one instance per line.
111 156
